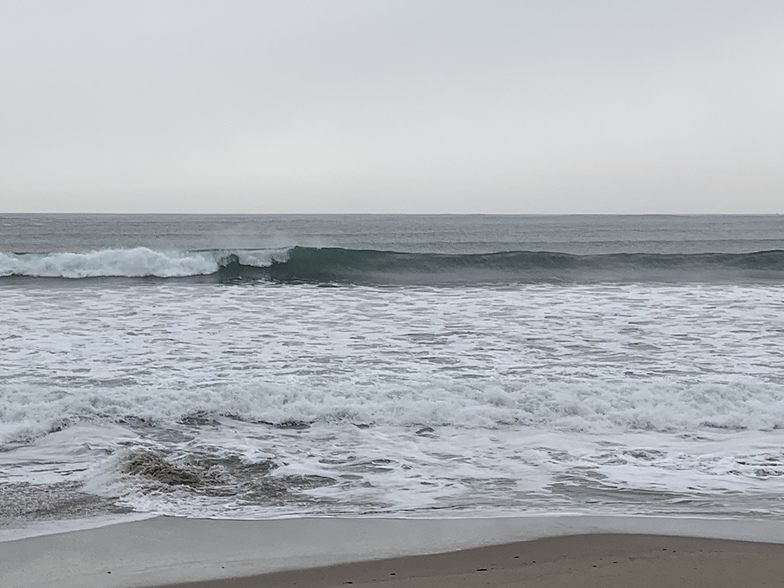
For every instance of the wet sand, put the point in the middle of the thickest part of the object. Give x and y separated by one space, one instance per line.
311 552
610 561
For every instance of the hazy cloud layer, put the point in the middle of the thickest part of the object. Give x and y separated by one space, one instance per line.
381 106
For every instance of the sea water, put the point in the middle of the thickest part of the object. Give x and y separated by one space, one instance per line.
265 366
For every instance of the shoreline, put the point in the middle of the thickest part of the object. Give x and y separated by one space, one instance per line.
166 551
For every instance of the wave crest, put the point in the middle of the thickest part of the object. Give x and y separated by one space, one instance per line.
355 266
139 262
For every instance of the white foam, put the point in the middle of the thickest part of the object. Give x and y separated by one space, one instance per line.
394 470
531 391
584 359
592 408
136 262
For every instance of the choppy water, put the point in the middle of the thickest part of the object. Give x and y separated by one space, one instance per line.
264 366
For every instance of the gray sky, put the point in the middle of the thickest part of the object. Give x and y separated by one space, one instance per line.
551 106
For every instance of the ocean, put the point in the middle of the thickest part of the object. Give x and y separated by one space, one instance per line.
253 367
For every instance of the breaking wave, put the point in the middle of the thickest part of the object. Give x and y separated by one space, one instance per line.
663 405
139 262
355 266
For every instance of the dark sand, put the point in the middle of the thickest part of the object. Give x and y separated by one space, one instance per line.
544 551
606 560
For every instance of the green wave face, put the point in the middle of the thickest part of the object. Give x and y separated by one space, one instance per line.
335 265
372 267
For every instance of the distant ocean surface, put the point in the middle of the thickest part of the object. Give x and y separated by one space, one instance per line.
426 366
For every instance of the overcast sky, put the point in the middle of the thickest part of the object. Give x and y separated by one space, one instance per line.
551 106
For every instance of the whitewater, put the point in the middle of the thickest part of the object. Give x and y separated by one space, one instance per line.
368 370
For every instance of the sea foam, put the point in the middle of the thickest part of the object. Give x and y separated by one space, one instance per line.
131 263
651 398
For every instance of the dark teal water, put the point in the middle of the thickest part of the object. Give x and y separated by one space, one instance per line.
590 235
400 250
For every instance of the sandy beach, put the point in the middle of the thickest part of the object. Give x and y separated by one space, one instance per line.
561 562
547 551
